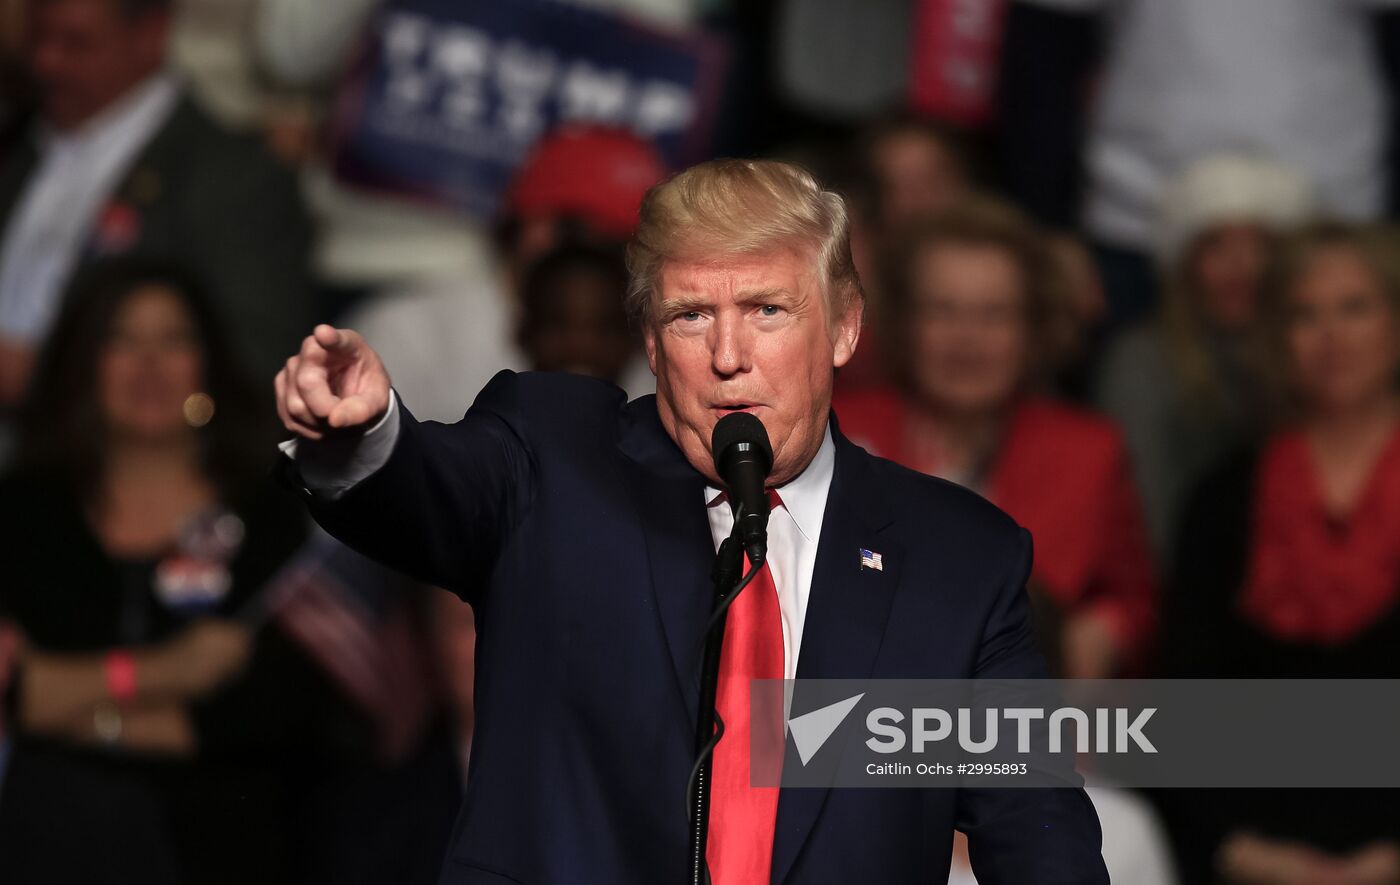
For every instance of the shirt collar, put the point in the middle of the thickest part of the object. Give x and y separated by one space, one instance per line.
805 495
140 110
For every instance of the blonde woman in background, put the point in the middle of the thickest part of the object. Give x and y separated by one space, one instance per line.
1182 387
1290 557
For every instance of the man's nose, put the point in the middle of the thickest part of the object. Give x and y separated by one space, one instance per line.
729 345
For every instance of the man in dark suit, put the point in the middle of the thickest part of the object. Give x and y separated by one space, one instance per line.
577 525
121 160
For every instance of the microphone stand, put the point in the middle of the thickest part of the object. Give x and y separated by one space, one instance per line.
726 574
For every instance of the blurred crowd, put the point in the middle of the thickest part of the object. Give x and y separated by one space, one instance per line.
1129 272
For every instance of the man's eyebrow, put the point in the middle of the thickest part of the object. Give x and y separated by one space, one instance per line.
682 304
777 293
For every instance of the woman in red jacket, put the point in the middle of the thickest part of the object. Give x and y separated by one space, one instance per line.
972 321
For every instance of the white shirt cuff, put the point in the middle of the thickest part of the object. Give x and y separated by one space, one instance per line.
333 466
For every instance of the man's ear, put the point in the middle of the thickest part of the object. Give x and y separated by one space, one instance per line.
847 333
649 339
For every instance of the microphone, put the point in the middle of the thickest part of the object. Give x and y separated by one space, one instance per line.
744 456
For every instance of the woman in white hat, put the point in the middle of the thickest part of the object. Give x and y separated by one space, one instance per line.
1182 387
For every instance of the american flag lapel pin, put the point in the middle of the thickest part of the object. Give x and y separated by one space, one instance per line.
871 560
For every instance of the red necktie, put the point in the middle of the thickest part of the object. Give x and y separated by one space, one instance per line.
742 817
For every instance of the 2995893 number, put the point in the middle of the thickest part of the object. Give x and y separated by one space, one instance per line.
995 768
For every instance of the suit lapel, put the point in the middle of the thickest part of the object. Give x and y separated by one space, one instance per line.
139 185
680 551
18 168
847 613
149 184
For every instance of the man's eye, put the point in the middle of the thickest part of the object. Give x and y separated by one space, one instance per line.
690 316
770 310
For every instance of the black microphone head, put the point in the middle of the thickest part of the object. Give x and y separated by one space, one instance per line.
740 433
743 457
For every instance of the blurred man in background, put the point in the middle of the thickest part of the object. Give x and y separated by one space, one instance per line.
120 160
572 318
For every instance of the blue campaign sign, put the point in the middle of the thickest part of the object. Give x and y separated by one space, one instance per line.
449 95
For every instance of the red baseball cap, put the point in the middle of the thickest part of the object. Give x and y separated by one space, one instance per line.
598 174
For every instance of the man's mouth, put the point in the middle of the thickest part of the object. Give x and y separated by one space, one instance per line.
723 409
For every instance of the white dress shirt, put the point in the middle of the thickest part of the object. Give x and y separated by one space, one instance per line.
333 467
76 174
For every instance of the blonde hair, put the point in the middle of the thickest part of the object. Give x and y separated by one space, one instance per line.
1374 245
1184 329
726 208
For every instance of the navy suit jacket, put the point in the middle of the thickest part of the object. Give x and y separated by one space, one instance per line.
574 525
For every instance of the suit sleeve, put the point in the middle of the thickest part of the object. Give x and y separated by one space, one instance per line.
448 497
1033 835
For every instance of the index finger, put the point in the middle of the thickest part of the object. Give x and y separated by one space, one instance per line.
342 341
